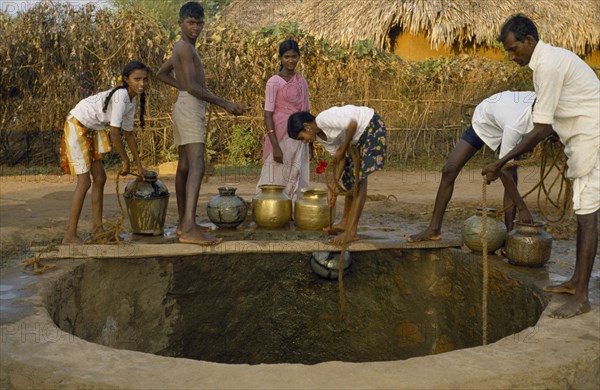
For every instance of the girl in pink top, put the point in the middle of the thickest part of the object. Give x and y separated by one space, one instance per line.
285 160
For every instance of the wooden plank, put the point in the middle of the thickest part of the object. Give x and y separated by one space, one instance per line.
137 250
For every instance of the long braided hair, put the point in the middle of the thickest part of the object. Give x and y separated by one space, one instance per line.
127 70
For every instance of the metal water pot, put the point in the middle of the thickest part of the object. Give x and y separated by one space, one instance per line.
227 210
472 232
146 202
271 208
311 212
528 244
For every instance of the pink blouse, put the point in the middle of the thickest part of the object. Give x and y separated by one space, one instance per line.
283 98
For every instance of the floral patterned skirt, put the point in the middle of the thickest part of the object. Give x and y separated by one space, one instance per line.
371 150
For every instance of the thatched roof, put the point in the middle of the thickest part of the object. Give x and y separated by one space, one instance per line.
572 24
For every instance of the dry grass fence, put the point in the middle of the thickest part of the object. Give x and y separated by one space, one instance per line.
50 55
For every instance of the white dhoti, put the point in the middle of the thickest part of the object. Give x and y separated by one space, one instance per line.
586 191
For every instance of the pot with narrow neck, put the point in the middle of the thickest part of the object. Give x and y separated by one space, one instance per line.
528 244
227 210
473 227
312 212
146 202
271 208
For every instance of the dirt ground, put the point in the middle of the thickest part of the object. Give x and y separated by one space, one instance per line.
34 208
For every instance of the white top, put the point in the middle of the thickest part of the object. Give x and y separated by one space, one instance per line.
119 113
568 93
503 119
335 120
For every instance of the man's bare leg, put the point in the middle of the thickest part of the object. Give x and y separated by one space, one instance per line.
180 185
587 247
180 188
191 233
511 196
462 152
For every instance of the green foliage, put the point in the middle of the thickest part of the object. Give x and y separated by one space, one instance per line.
167 12
283 31
241 146
364 48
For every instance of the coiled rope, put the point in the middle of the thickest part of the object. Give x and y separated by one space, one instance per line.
33 266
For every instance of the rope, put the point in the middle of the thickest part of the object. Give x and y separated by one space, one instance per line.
484 246
339 190
563 198
33 265
548 146
34 262
112 234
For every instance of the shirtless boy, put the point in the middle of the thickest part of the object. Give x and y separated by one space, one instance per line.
189 121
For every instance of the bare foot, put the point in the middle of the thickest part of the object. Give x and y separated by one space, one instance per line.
425 235
199 238
72 240
572 308
567 287
201 228
335 228
340 238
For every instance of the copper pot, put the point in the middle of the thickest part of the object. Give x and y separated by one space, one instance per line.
271 208
312 211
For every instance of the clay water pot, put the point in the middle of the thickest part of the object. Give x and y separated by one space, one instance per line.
271 208
495 232
146 202
312 211
227 210
528 244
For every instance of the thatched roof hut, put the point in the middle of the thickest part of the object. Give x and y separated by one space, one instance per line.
572 24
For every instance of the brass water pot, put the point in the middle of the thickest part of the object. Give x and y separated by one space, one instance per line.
271 208
312 211
528 245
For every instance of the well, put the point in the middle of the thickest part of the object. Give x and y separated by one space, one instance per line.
258 303
251 308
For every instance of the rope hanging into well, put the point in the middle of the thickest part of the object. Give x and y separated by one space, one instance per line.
339 190
547 147
484 246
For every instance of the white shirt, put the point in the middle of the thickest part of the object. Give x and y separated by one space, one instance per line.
503 119
568 94
335 120
119 113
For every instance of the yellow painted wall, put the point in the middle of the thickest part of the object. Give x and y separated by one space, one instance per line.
417 48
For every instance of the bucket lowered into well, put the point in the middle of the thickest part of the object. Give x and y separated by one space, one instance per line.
146 201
